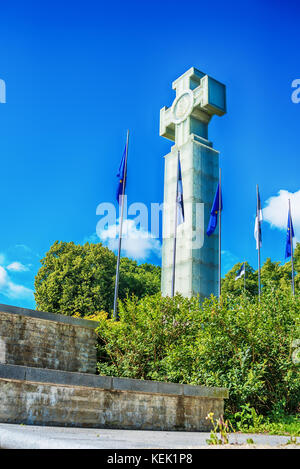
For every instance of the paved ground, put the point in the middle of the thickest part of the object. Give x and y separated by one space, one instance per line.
34 437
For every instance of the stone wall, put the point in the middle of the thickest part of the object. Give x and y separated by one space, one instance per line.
48 377
46 340
47 397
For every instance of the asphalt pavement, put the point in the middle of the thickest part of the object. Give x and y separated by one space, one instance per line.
14 436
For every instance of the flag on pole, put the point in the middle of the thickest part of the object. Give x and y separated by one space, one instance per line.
289 236
179 218
216 208
121 176
241 272
258 220
180 207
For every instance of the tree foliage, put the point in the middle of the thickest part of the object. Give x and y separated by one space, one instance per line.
238 343
273 275
81 278
246 284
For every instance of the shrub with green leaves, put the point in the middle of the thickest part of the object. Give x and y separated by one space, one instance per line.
237 343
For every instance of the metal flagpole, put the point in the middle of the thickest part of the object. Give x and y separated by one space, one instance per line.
258 240
115 314
292 251
175 230
244 276
220 210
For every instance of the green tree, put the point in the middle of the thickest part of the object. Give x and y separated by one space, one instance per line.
271 272
140 280
245 285
80 279
276 275
273 275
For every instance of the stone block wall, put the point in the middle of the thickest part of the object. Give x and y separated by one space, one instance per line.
46 340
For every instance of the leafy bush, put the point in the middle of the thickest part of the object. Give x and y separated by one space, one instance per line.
81 279
248 421
237 343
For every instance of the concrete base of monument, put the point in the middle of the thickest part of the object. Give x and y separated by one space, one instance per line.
35 396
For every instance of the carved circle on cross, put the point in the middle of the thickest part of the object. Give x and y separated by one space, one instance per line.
182 106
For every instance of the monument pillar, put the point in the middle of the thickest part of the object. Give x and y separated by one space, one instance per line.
198 98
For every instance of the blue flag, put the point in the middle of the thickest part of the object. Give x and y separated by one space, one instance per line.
121 176
289 237
214 212
180 208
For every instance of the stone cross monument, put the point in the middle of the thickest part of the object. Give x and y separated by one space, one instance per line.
198 98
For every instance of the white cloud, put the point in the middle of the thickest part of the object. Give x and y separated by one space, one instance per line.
17 267
11 289
136 243
3 277
276 211
18 291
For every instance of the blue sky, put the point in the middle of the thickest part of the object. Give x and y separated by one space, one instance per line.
78 74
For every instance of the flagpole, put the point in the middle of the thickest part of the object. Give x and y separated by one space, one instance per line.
292 251
115 313
244 276
258 242
175 231
220 211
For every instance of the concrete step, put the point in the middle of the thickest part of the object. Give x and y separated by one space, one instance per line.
51 397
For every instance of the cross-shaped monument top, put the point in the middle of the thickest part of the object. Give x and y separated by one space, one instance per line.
198 98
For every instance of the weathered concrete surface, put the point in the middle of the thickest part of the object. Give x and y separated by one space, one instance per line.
28 396
46 340
33 437
24 373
